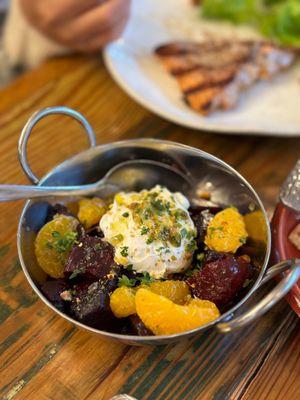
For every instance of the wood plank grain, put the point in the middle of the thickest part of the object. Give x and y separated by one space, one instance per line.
211 366
44 357
278 374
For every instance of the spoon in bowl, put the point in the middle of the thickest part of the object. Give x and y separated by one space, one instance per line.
132 175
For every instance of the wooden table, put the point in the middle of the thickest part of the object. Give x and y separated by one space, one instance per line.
44 357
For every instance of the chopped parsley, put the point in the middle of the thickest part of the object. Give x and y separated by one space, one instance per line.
164 234
196 268
213 229
55 234
76 272
191 234
175 240
192 271
62 244
158 205
147 213
125 214
243 240
146 279
97 246
128 267
200 257
159 249
144 230
150 240
191 247
125 281
183 232
180 214
124 251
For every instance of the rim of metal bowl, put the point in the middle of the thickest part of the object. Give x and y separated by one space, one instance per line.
140 142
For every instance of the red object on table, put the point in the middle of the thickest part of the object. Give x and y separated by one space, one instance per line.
284 221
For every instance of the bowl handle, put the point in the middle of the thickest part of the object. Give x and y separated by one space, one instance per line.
277 293
34 119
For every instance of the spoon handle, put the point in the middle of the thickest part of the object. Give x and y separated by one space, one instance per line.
17 192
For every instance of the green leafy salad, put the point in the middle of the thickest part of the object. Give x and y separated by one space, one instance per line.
277 19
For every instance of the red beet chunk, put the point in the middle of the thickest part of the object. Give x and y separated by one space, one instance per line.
138 327
90 304
196 210
220 279
52 290
58 209
201 217
92 259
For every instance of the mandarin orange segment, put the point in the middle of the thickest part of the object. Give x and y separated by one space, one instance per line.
122 302
91 211
163 317
176 291
53 243
226 232
256 226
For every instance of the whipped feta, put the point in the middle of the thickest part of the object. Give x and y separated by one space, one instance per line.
151 231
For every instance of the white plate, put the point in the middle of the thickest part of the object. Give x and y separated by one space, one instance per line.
269 108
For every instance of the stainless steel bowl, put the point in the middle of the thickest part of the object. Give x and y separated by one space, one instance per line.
209 173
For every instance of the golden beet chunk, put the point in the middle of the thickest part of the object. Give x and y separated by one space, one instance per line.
164 317
226 232
53 244
90 211
122 302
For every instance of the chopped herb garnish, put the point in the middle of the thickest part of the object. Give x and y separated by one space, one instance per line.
196 268
125 281
191 247
97 246
193 271
175 240
164 234
146 279
213 229
158 206
180 214
183 232
243 240
125 214
124 251
168 206
190 234
144 230
159 249
200 256
62 244
55 234
76 272
150 240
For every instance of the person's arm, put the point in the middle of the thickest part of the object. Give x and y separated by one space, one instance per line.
37 29
79 25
